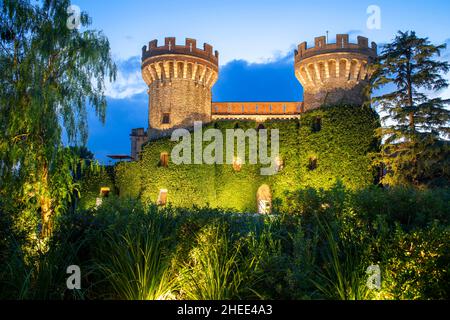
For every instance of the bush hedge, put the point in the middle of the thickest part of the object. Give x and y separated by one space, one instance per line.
320 249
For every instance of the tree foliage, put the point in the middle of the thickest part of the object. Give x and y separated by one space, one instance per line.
50 73
416 125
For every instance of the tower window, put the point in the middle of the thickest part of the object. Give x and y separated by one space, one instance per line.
162 197
166 118
164 160
312 165
317 124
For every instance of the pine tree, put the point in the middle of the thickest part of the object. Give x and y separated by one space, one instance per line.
50 73
416 126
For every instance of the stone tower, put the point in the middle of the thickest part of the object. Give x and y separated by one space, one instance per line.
333 73
180 78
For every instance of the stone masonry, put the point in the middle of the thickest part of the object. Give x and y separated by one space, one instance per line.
180 79
334 73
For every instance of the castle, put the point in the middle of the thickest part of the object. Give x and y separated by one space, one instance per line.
180 79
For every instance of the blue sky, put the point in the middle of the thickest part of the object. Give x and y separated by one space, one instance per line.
255 39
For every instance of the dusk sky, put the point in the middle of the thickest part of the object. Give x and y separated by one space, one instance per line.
255 39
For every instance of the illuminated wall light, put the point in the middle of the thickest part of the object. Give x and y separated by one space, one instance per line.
237 164
164 159
104 192
264 199
279 164
162 197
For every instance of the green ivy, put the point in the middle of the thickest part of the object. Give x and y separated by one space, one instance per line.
91 184
128 176
341 147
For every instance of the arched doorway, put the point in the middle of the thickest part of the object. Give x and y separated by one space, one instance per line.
264 199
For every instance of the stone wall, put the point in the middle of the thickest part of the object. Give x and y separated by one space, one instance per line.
180 79
138 137
183 101
334 73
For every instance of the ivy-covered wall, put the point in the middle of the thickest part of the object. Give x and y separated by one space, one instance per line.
325 146
341 147
92 182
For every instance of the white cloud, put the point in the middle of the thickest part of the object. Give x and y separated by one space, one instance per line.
128 82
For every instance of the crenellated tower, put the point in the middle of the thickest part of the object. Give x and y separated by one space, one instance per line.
180 79
333 73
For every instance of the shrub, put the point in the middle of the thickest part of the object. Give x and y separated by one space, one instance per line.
318 248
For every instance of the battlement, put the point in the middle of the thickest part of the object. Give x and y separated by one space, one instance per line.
189 48
342 44
334 73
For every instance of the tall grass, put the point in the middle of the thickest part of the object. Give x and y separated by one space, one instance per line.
137 263
213 270
342 274
320 250
43 276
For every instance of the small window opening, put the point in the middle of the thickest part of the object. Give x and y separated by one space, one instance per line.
312 165
166 118
317 124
